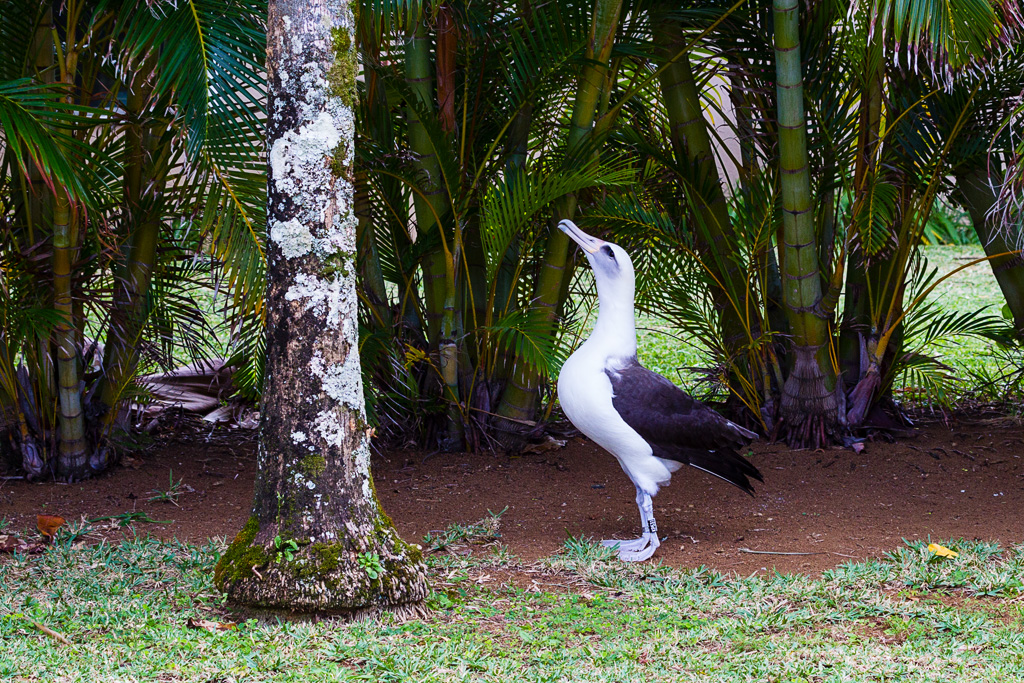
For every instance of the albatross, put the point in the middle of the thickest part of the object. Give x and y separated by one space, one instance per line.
648 423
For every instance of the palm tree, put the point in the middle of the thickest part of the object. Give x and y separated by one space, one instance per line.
518 401
808 397
478 143
823 197
131 145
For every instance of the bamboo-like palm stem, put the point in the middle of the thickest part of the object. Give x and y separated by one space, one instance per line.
857 305
519 400
438 267
72 459
809 407
502 296
38 215
371 277
716 239
72 450
448 353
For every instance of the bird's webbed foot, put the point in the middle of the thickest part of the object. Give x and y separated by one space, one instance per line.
636 550
639 549
641 554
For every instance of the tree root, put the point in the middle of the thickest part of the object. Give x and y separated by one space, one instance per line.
809 414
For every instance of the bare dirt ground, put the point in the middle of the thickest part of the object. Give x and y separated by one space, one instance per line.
965 480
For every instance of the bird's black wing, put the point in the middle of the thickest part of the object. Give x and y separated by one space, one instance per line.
679 428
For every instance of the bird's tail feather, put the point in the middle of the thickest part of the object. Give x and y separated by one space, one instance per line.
726 464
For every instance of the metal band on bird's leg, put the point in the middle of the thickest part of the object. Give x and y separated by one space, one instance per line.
652 526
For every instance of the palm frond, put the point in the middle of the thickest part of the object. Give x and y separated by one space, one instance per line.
18 22
874 223
511 205
36 125
525 333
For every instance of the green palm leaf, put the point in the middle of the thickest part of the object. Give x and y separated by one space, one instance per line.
36 125
510 206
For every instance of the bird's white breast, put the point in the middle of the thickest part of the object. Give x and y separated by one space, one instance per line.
585 394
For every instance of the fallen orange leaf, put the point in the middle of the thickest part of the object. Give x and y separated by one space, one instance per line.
941 551
207 625
48 525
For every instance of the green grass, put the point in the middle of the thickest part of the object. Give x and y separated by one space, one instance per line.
969 290
579 616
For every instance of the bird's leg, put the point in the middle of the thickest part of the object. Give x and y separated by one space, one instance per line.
649 541
641 548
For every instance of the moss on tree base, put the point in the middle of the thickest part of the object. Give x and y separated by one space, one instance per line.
353 577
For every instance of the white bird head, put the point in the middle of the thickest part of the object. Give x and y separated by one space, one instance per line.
613 269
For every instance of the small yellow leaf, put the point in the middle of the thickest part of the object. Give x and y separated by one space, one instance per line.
941 551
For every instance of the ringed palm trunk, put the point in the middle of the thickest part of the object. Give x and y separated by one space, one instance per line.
72 450
317 540
36 211
809 406
519 400
439 265
505 279
369 257
854 336
72 454
692 143
978 198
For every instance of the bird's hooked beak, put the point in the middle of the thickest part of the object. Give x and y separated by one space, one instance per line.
587 243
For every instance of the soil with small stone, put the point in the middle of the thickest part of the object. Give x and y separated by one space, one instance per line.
815 510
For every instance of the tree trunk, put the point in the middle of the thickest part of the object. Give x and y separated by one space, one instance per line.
715 237
72 454
519 400
809 408
438 266
692 144
34 208
317 540
72 450
371 276
978 198
857 321
430 205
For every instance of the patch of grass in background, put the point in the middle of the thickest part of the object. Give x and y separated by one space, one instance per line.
579 616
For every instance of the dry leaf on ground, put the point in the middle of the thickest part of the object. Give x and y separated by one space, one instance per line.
548 444
207 625
13 544
48 525
941 551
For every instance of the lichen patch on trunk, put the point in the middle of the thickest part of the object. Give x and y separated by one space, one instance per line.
293 237
324 297
342 381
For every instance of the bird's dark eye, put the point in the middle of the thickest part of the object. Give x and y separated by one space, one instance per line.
608 250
